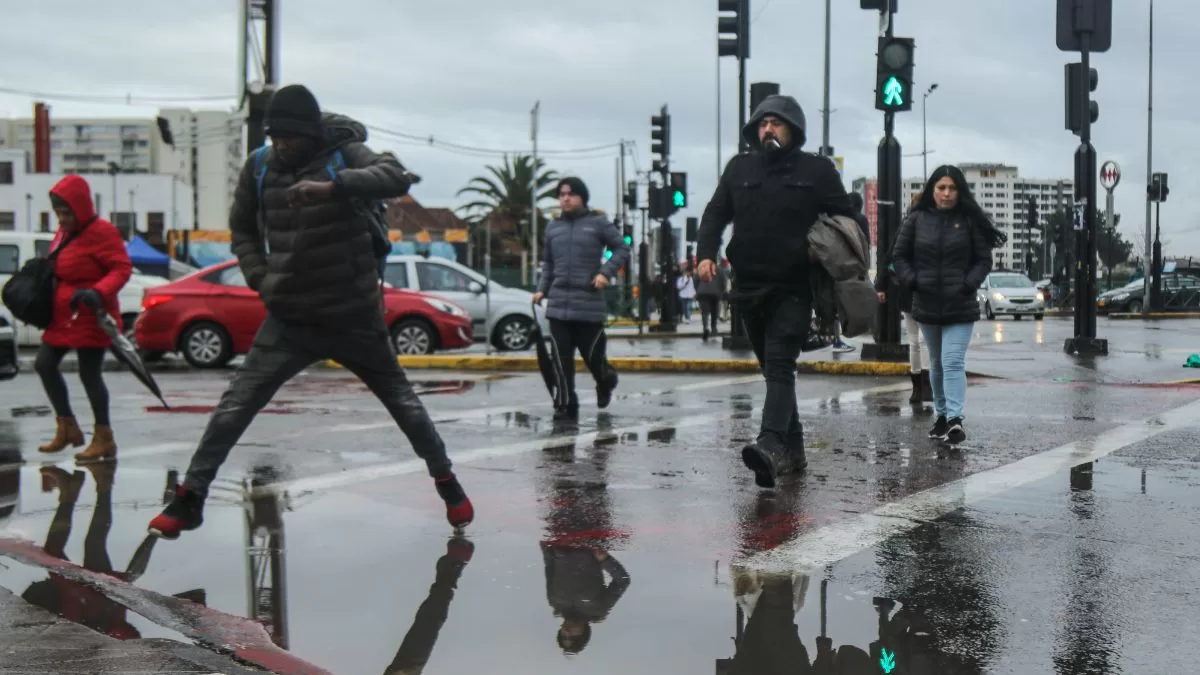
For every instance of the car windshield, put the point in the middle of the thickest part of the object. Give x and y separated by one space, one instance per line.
1011 281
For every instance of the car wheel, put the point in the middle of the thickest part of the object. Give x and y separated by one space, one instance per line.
987 308
1038 317
1135 307
413 337
514 334
206 345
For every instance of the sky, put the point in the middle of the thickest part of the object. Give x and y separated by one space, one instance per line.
468 72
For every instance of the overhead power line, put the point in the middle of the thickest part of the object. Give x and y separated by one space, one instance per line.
109 98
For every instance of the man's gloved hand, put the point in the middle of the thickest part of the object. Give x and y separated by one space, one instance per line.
87 297
309 191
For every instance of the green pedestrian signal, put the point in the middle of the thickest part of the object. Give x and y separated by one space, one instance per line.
679 199
893 93
607 254
887 660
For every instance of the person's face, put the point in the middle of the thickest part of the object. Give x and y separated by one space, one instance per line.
773 126
569 201
66 218
293 149
945 193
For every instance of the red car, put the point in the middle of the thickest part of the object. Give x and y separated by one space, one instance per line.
211 316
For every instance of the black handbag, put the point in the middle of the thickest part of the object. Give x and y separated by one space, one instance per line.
29 294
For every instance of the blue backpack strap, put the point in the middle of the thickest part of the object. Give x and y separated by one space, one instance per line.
260 170
336 163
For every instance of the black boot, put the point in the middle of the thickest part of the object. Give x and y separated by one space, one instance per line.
795 446
926 387
768 457
604 390
915 396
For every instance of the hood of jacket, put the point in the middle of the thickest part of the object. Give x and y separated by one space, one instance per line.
340 130
785 108
74 190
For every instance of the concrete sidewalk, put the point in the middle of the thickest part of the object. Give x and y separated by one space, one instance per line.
33 640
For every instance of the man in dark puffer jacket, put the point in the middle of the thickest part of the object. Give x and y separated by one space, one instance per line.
317 273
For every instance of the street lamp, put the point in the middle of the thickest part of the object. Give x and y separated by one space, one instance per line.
924 149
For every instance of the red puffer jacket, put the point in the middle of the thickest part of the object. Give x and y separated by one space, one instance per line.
96 258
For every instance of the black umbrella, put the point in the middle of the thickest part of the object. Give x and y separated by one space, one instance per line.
124 350
548 364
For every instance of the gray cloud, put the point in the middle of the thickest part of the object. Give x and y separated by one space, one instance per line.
468 71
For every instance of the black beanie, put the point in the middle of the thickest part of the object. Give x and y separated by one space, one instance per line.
293 111
576 186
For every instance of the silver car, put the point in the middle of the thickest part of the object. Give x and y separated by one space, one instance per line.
9 359
511 308
1011 293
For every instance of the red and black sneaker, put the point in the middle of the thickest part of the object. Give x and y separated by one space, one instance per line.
459 511
185 512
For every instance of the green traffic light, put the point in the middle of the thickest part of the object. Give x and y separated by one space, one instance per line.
893 92
607 254
887 660
628 240
680 199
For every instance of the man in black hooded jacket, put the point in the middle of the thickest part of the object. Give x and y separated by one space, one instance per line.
307 249
773 194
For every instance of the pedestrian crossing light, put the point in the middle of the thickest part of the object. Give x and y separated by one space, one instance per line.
894 74
628 234
678 190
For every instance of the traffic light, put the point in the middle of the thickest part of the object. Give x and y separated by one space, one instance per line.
1157 189
631 195
894 74
692 229
657 203
677 191
627 231
660 139
1079 86
1033 213
733 32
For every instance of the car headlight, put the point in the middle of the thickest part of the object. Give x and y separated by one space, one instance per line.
443 306
999 297
1039 296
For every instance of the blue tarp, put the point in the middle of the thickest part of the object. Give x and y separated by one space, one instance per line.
143 254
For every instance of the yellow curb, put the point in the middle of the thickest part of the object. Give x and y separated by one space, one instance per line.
1156 315
644 365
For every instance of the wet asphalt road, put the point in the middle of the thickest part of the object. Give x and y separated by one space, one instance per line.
641 527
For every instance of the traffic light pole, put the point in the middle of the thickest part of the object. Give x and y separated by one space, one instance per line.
1087 239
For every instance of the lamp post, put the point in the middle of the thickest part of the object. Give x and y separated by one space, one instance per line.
924 148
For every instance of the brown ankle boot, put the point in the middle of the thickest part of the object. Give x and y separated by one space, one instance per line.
102 446
66 433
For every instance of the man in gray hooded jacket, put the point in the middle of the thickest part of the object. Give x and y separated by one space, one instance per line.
574 280
774 193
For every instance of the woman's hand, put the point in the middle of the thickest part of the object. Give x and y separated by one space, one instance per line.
88 297
882 297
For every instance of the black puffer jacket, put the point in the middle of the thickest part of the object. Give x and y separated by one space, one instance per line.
321 269
944 260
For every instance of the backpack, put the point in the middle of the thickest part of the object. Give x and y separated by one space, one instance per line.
373 211
29 293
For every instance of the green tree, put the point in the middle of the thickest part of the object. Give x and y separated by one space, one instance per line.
1113 248
505 190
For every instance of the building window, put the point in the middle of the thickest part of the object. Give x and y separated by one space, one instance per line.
10 259
126 222
6 173
44 221
8 221
155 224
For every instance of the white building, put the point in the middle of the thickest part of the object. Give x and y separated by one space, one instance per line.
90 146
1004 195
146 201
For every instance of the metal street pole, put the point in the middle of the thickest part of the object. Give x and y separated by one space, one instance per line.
924 147
533 197
1146 269
825 149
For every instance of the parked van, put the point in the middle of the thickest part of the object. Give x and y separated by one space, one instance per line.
17 247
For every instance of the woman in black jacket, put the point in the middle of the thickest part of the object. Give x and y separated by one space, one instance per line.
943 254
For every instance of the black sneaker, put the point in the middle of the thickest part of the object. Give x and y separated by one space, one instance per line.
940 427
796 450
185 512
604 391
955 433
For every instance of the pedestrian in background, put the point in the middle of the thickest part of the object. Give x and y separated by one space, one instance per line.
922 391
772 263
573 281
709 295
91 267
943 254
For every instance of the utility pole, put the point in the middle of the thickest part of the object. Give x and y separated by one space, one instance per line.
533 196
893 93
733 39
924 137
1146 269
260 25
195 156
1084 26
826 150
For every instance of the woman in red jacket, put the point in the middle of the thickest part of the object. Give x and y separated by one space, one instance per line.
89 271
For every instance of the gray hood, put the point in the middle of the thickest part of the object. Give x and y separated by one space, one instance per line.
785 108
340 130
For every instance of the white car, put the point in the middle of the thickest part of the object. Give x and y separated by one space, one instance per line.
1011 293
511 308
9 360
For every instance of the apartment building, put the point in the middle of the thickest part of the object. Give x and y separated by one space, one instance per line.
206 154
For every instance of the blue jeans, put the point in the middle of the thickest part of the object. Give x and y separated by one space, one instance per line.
947 347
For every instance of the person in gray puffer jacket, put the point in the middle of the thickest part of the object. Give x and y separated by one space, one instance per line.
574 280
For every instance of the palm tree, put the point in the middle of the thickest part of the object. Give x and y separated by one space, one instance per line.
506 192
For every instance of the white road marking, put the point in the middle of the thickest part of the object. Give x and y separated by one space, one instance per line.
836 542
374 472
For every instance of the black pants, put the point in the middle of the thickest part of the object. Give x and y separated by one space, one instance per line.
91 373
777 329
279 353
709 311
589 339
